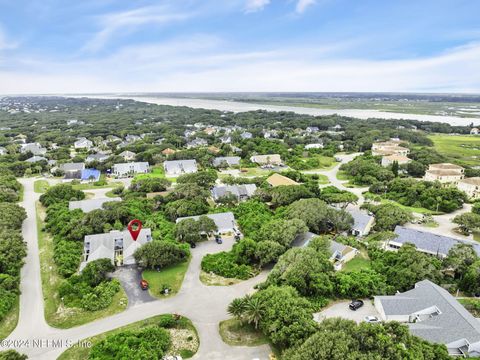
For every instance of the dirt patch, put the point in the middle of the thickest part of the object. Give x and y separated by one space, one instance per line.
211 279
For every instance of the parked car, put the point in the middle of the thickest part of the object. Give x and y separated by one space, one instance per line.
355 305
371 319
218 239
193 245
144 284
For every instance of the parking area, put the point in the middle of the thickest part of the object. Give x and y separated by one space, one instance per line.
341 310
129 277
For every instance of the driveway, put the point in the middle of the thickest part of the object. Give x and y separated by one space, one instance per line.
341 310
129 277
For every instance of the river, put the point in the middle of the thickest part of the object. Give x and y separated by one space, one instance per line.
237 106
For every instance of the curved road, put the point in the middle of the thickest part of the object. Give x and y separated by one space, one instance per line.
204 305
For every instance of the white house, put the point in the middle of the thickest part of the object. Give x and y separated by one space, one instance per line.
96 157
180 167
117 246
128 155
83 143
34 148
226 161
471 186
318 145
445 173
390 159
130 169
271 159
475 131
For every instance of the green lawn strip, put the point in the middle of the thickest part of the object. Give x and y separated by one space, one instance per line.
360 262
464 149
40 186
82 353
472 305
156 171
256 172
418 210
323 179
476 236
171 276
56 314
216 280
9 322
234 333
91 186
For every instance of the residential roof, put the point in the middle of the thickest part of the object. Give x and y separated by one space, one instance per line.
277 180
360 219
35 158
471 181
124 168
266 159
444 166
127 153
304 239
168 151
239 191
179 166
444 172
224 221
451 324
428 242
102 246
90 204
72 167
398 158
97 157
230 160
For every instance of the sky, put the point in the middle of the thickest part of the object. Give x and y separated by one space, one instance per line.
98 46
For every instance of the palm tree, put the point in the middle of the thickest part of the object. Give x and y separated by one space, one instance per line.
237 308
253 311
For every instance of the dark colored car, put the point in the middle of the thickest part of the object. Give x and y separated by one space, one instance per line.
355 305
218 239
144 284
193 245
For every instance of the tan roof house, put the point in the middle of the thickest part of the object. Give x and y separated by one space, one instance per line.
471 186
278 180
168 151
445 173
273 159
390 159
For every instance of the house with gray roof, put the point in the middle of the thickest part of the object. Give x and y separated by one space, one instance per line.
129 169
72 170
196 143
83 143
225 222
179 167
362 222
426 242
246 135
226 161
433 314
35 159
117 246
90 204
340 254
242 192
128 155
34 148
97 157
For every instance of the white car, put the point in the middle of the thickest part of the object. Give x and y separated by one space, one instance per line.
371 319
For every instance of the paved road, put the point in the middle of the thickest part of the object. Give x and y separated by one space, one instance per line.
204 305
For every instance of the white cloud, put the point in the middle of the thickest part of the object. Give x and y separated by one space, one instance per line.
202 63
255 5
126 21
302 5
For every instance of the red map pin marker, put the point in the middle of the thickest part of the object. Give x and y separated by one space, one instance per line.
134 232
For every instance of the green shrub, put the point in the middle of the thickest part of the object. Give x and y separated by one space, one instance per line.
224 264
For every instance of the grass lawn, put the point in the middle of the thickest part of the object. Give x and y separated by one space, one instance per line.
40 186
418 210
234 333
472 305
216 280
254 172
359 262
91 186
156 172
464 149
184 338
9 323
171 276
323 179
56 314
476 236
